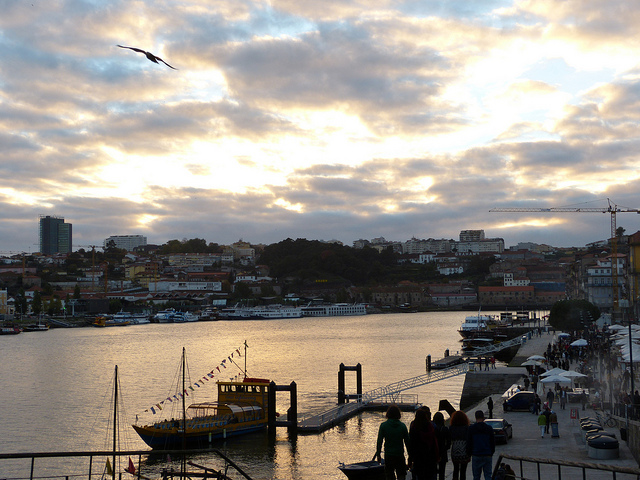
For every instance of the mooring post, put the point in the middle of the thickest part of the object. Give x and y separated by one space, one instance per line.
359 381
446 353
292 417
271 410
429 363
341 397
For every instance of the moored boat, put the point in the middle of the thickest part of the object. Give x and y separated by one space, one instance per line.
242 407
334 310
36 327
370 470
11 330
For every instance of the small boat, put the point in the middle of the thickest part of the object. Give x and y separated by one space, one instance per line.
10 330
103 321
36 327
242 407
371 470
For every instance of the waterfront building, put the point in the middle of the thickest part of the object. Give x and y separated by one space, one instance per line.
55 235
126 242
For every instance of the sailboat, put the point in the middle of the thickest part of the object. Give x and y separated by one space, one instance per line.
241 408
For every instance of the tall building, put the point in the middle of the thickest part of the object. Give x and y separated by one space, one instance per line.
55 235
127 242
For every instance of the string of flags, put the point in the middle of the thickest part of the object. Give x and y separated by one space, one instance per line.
218 370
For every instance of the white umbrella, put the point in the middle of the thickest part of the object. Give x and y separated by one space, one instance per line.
572 373
616 327
554 371
562 335
579 343
530 363
536 357
556 379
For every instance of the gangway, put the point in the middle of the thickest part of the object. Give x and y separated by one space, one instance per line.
387 394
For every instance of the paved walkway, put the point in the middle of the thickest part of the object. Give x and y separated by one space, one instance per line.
569 446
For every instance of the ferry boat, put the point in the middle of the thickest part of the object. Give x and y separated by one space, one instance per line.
242 407
334 310
476 323
269 312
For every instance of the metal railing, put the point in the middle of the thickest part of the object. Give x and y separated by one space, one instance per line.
95 468
531 468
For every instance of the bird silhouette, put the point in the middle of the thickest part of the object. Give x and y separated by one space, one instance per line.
149 55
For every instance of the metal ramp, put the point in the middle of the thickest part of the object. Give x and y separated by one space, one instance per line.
387 395
433 376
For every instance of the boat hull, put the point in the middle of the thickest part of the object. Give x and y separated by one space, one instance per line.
371 470
202 437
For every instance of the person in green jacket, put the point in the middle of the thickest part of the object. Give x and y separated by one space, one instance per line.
542 423
396 439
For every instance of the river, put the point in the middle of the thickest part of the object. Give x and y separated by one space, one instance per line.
56 386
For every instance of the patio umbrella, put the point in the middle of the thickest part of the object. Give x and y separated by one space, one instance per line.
530 363
579 343
572 373
563 335
617 327
554 371
556 379
536 357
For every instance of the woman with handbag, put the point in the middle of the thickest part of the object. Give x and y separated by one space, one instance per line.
458 428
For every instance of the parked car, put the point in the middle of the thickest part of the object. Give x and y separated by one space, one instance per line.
520 401
502 429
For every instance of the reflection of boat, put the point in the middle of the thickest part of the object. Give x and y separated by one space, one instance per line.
370 470
241 408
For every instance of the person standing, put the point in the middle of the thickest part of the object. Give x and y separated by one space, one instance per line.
444 442
458 429
547 413
395 436
490 406
542 424
550 397
423 452
563 398
481 445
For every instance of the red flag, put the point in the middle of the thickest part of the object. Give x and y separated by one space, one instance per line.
131 469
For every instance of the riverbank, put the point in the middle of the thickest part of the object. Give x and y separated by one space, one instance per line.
569 446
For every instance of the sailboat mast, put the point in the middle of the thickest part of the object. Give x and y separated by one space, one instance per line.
184 411
115 423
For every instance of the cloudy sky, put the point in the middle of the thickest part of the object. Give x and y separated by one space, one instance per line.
332 119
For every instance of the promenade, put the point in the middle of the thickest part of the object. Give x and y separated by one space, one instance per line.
569 447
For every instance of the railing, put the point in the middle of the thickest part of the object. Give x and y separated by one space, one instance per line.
531 468
96 469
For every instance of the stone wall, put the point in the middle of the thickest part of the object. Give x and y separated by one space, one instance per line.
479 385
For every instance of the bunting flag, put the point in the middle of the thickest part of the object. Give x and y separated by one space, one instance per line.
210 375
131 468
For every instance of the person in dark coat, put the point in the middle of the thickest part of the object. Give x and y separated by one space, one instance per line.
481 445
458 429
395 436
424 452
490 407
444 442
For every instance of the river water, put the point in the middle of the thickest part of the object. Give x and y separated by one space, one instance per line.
56 386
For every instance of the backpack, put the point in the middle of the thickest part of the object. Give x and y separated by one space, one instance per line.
459 451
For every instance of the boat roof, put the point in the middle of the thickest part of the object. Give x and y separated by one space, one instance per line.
233 407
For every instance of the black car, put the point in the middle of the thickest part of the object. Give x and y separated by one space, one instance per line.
501 429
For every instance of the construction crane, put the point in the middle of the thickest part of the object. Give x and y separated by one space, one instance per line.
612 209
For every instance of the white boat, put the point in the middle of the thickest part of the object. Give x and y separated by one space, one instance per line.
334 310
164 316
269 312
182 317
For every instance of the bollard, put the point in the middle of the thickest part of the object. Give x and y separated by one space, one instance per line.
428 363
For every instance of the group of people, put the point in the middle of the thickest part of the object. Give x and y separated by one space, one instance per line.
428 443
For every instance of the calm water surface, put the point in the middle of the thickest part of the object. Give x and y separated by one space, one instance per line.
56 386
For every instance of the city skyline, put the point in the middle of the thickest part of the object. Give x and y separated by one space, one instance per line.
350 121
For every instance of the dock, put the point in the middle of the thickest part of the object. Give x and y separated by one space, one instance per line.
378 399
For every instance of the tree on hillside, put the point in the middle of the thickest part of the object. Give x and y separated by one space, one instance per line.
568 315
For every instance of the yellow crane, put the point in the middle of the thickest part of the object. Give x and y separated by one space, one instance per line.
612 209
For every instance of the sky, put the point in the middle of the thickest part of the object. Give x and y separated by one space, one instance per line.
323 120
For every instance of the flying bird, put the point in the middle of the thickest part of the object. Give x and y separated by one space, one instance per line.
149 55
